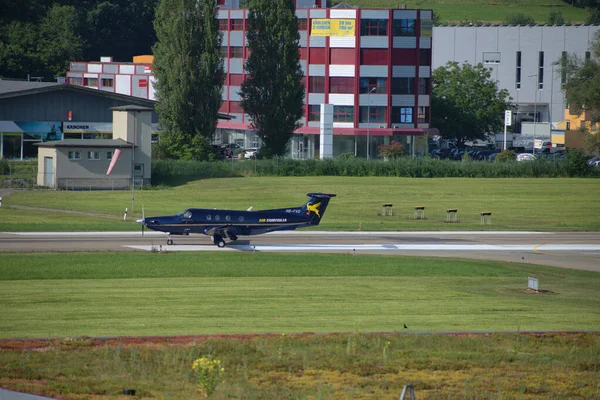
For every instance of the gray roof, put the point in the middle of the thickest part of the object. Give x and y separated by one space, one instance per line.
343 5
9 86
131 107
86 143
10 89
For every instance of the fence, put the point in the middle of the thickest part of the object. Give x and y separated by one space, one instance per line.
30 181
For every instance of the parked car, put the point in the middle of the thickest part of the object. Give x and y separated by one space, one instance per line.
250 153
525 157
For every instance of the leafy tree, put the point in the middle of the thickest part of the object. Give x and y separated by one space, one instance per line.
592 143
18 50
582 84
59 41
467 102
556 18
594 17
273 93
117 28
189 71
519 19
392 150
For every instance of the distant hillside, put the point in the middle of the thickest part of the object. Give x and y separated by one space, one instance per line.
490 11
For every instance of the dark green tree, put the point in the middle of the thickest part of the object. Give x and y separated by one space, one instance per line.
556 18
582 83
519 19
59 42
189 71
273 93
467 103
18 51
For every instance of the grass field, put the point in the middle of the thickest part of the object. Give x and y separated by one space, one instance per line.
491 11
543 204
348 366
72 296
108 294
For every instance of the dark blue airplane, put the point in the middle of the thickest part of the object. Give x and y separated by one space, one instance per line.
221 224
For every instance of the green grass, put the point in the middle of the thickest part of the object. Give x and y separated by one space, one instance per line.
108 294
349 366
491 11
541 204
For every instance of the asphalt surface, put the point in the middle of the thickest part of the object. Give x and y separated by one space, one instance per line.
575 250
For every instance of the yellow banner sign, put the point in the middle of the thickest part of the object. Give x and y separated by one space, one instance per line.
332 27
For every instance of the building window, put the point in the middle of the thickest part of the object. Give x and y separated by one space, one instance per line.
341 85
236 52
314 112
518 70
373 27
316 84
425 57
74 155
93 155
424 84
223 25
76 81
541 70
402 115
423 116
371 114
568 125
373 85
109 155
107 83
224 52
404 27
491 58
237 24
403 85
90 82
302 24
343 113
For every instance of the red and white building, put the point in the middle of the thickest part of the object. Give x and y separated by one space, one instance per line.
378 78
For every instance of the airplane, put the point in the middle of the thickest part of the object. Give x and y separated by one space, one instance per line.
221 224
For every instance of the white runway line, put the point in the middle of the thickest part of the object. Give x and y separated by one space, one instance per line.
286 233
383 247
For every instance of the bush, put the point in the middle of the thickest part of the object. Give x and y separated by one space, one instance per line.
576 163
506 155
4 167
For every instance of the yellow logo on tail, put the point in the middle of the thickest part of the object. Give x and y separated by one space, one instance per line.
314 208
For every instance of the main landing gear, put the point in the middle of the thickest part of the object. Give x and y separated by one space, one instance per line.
218 240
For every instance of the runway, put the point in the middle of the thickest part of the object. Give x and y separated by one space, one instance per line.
576 250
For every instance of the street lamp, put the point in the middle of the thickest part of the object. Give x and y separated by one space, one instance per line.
369 121
534 110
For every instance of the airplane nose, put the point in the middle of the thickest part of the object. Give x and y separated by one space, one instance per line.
141 221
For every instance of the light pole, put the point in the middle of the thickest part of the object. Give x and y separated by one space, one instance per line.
369 121
534 110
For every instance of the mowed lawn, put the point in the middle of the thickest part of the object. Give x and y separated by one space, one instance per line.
455 11
110 294
535 204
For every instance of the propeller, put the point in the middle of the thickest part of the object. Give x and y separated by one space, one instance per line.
142 220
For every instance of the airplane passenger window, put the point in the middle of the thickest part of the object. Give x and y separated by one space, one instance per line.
208 217
241 218
217 218
227 218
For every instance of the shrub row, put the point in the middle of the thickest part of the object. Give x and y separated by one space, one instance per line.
174 172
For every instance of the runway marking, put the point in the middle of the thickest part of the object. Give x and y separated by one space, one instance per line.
381 247
307 233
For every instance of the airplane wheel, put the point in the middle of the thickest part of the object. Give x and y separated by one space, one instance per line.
221 243
218 240
169 242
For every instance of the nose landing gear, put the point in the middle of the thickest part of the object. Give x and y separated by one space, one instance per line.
169 240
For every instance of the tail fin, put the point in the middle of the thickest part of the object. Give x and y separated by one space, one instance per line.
316 205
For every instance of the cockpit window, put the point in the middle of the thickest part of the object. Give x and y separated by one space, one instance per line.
186 214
